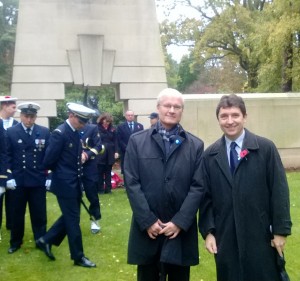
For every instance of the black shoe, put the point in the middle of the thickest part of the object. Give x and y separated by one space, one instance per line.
85 262
45 247
13 249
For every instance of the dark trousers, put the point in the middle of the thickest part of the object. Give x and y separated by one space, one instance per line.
104 171
7 198
160 272
36 199
91 193
67 224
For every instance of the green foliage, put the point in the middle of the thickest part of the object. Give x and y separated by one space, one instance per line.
8 21
108 249
105 95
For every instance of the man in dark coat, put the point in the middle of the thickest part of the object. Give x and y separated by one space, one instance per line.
124 131
63 157
162 174
245 215
91 147
26 146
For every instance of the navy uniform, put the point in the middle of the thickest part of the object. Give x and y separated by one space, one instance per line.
6 114
63 157
92 146
26 145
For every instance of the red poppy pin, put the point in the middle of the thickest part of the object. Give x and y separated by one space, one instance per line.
244 153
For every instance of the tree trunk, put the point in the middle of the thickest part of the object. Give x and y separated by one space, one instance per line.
287 67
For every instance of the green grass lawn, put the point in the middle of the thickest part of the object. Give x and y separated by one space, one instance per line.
108 249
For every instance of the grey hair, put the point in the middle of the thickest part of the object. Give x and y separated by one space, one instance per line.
169 92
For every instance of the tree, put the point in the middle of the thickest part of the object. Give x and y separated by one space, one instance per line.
8 22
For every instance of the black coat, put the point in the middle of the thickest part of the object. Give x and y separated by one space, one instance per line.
63 157
165 188
241 208
26 154
110 142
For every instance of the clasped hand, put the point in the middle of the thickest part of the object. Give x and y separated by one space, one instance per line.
168 229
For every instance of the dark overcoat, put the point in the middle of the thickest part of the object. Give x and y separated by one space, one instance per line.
165 188
110 142
241 209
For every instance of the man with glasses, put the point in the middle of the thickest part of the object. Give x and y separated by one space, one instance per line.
64 158
162 174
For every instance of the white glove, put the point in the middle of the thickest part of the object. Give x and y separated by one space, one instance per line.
48 184
11 184
2 190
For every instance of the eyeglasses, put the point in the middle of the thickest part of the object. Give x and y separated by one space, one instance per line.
169 106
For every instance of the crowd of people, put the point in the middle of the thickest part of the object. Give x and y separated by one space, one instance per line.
237 186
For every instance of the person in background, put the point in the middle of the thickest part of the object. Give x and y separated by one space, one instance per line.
3 162
8 109
91 147
63 157
163 181
26 146
107 159
153 118
124 131
245 215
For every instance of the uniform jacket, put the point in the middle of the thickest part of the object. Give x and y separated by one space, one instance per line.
26 153
110 142
241 208
3 156
63 157
165 188
91 145
124 133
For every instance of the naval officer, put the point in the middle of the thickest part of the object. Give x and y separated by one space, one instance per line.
63 157
26 145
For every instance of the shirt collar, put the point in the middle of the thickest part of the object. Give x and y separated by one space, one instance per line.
68 122
238 141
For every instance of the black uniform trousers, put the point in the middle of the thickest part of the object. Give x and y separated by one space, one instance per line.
67 224
104 171
91 192
36 199
159 272
7 198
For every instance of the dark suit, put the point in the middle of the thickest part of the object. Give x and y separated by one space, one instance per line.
3 158
63 157
92 145
7 195
123 134
25 157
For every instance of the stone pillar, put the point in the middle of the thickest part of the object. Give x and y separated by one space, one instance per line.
88 43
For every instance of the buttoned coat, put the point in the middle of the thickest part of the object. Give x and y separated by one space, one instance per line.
26 153
63 157
241 209
165 188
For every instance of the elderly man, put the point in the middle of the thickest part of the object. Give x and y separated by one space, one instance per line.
26 146
124 131
162 174
245 215
64 158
